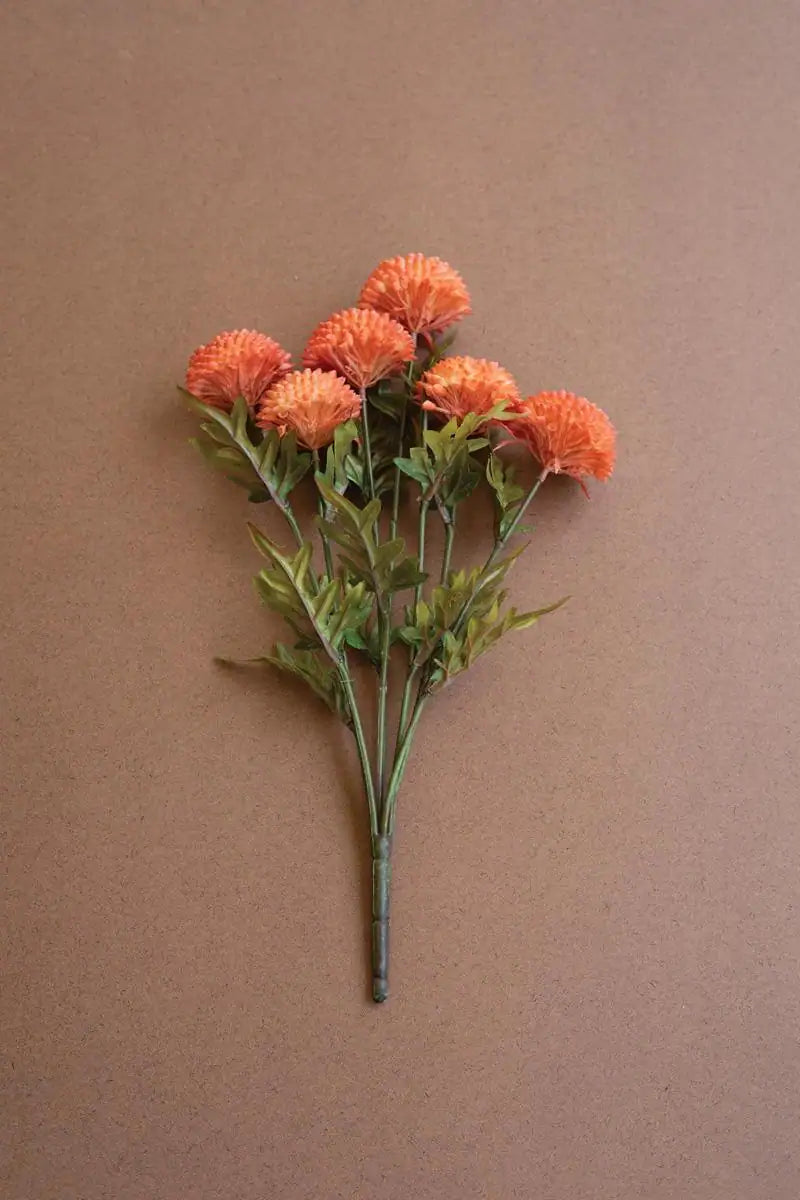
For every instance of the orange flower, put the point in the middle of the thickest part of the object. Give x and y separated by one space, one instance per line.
360 344
241 363
312 403
567 434
457 386
423 294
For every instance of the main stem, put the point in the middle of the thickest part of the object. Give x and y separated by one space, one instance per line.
382 866
381 880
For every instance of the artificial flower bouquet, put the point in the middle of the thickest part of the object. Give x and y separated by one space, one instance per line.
379 409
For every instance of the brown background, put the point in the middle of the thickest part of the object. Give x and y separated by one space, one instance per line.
595 956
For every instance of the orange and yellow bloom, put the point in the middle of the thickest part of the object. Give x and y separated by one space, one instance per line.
457 386
424 294
238 363
310 403
360 344
566 434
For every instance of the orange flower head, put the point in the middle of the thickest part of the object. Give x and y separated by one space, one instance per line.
424 294
311 403
567 434
360 344
457 386
241 363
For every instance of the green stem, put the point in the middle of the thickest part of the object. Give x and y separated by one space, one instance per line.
500 542
449 518
405 703
400 764
292 522
406 727
385 623
326 546
405 706
401 444
361 743
397 473
367 447
423 517
280 502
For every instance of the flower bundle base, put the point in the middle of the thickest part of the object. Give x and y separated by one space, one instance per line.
378 408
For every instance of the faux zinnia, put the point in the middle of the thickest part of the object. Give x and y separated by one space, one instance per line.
238 363
370 601
424 294
311 403
362 345
457 386
566 434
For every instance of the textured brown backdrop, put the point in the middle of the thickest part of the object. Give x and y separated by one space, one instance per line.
595 957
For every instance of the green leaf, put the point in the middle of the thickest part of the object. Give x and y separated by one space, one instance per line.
389 404
524 620
387 553
238 420
267 451
460 480
369 516
405 575
344 439
316 672
414 470
289 466
231 463
325 599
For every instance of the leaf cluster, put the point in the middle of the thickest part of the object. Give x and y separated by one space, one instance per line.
325 614
267 465
464 619
445 465
382 567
